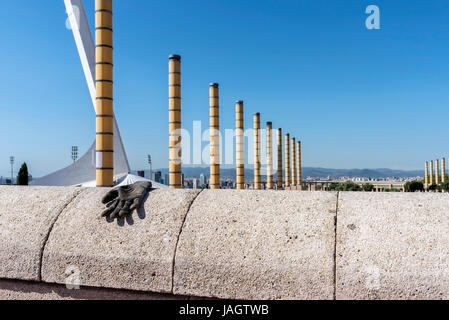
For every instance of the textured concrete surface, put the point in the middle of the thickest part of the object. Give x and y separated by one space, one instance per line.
233 244
258 245
136 253
393 246
26 216
23 290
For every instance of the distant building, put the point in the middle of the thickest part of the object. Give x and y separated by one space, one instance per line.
156 176
6 181
202 181
195 183
167 179
188 183
228 184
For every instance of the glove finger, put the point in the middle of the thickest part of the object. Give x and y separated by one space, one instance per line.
113 203
109 208
141 187
146 185
119 207
136 204
111 195
107 211
126 209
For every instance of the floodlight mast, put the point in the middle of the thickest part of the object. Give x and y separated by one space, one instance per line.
74 153
11 160
151 166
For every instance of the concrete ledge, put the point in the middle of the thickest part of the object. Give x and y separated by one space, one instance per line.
136 253
225 244
258 245
26 217
393 246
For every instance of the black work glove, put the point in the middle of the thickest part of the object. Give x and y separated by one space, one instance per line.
123 200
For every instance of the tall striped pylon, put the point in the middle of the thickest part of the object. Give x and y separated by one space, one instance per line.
437 171
240 145
257 184
279 180
214 122
443 169
287 160
431 172
104 93
269 156
293 162
298 166
174 125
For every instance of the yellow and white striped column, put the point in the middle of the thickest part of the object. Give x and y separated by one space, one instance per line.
287 160
293 162
298 166
279 181
443 169
269 156
240 145
104 93
257 185
174 110
426 175
431 172
214 121
437 171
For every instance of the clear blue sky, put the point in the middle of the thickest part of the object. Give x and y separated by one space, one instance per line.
357 98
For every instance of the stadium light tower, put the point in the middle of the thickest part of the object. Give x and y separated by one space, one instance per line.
74 153
11 160
151 166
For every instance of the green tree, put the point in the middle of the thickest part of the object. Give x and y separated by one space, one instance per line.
445 186
368 187
334 186
22 176
350 186
413 186
345 186
433 187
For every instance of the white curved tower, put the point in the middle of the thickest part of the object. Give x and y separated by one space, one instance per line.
83 170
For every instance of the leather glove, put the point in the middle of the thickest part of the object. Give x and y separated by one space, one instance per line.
123 200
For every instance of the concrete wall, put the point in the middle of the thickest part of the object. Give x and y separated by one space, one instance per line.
224 244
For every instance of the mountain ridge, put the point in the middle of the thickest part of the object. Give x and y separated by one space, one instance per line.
313 172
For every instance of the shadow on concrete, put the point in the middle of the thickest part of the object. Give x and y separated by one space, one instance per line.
24 290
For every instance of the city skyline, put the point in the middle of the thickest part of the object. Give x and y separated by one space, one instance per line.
355 97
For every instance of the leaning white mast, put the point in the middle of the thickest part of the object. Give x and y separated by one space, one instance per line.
83 170
86 50
84 41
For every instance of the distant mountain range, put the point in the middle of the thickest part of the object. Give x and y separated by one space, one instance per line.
365 173
229 173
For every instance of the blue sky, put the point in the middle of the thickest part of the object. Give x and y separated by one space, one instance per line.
357 98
